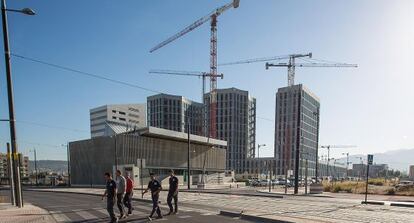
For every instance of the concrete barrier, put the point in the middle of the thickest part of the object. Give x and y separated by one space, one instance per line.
316 189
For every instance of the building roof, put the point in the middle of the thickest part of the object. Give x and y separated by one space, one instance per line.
179 136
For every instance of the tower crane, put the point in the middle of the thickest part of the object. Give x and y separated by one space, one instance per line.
203 75
291 64
328 147
212 17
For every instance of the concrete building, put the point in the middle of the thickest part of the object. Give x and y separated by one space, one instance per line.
296 129
236 123
160 149
4 167
376 170
171 112
128 115
411 172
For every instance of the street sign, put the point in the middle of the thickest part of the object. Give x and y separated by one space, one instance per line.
370 159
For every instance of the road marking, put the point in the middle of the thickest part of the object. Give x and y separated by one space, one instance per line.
61 218
103 211
86 215
185 216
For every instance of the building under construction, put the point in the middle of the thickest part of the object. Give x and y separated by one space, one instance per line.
296 130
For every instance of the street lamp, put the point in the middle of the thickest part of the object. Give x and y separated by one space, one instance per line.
35 160
258 158
347 163
12 120
68 160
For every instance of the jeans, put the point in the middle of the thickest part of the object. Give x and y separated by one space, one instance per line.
172 195
110 202
127 201
155 207
119 198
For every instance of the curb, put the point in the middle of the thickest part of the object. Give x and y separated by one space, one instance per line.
240 215
402 205
297 195
373 202
225 193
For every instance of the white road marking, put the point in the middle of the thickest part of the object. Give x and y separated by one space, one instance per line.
61 218
185 216
86 215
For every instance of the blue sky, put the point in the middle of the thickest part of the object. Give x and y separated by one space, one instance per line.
370 106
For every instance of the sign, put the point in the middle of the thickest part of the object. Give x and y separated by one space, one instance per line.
141 163
370 159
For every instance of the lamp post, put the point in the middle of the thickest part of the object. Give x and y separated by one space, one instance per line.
35 160
347 163
316 113
26 11
258 158
68 160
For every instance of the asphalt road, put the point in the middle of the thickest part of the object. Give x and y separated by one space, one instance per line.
87 208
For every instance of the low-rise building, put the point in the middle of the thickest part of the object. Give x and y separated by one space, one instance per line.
160 150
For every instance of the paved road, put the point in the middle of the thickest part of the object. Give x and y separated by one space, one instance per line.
87 208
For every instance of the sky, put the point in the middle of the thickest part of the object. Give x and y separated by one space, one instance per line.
370 106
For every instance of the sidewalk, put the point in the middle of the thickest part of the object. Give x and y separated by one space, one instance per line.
28 214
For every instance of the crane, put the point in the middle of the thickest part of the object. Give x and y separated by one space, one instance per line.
328 147
291 64
203 75
212 17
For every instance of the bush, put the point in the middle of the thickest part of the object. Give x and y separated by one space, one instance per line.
390 191
376 182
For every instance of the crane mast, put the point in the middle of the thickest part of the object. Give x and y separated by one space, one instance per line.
213 56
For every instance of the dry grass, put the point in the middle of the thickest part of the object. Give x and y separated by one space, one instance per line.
376 186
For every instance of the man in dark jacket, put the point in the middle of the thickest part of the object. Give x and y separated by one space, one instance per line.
173 193
155 187
110 193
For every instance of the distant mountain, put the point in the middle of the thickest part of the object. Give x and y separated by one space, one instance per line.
396 159
49 165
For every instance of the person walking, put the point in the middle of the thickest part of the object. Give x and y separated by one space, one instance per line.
121 186
110 196
129 193
155 187
173 193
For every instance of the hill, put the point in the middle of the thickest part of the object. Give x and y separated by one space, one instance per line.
396 159
49 165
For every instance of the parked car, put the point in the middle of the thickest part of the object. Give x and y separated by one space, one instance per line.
264 182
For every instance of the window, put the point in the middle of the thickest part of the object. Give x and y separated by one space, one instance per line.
113 111
113 117
122 113
122 119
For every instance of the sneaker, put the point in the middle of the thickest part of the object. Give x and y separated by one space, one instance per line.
175 212
149 218
114 220
159 217
122 216
169 213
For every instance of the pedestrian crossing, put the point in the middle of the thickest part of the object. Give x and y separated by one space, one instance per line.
140 213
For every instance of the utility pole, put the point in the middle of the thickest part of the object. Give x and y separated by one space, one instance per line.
10 174
68 158
37 173
12 120
306 176
188 152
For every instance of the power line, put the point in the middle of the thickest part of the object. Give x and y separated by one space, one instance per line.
51 126
84 73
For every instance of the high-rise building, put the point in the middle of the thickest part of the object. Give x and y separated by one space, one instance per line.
296 130
172 112
126 115
411 172
236 124
4 166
